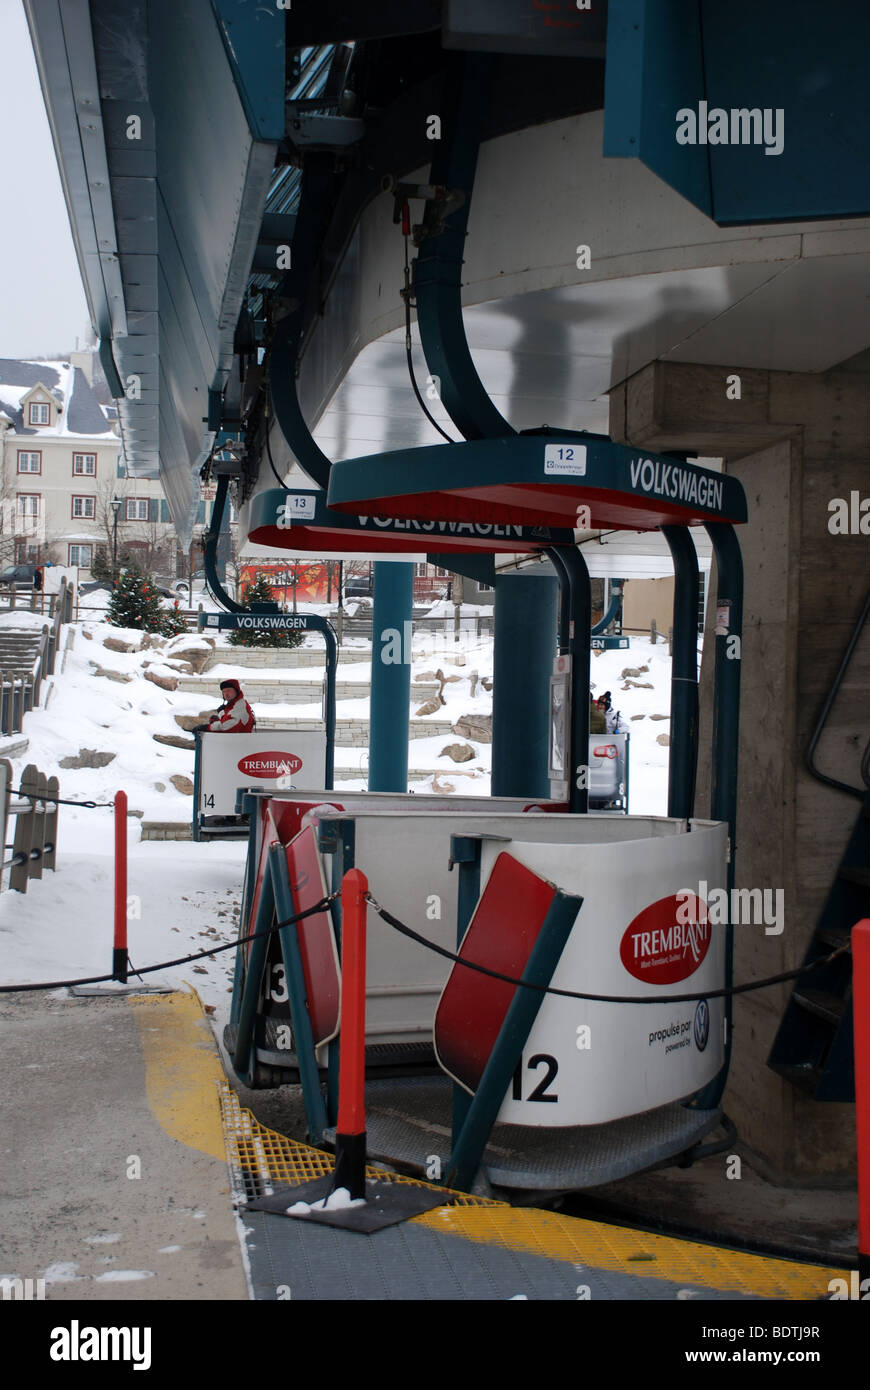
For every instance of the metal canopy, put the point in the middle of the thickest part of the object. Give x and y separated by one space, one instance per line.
301 520
542 480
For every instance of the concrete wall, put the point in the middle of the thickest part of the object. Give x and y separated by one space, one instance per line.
796 441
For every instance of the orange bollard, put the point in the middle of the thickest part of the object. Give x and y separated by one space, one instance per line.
119 953
350 1138
861 1014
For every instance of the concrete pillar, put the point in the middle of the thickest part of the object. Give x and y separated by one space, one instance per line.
796 441
390 700
524 647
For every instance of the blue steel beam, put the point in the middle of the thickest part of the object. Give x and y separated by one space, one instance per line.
524 646
726 722
390 700
524 1008
438 267
574 624
683 759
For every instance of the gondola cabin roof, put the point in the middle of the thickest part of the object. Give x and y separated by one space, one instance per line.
583 481
299 519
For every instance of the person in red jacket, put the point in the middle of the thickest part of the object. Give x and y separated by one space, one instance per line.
235 715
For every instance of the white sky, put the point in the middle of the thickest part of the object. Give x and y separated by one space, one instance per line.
42 308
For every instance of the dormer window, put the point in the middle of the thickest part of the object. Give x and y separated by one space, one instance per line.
39 413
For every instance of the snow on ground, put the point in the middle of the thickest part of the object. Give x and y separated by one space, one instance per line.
184 897
21 619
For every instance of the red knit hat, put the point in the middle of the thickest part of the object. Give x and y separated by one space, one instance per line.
231 685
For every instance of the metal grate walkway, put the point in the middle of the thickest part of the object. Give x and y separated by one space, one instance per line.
474 1248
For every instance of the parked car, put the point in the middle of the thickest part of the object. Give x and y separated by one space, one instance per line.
358 586
181 587
21 576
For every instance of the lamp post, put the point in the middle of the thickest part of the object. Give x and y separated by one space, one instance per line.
116 507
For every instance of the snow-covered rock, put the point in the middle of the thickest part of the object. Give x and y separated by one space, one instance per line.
459 752
161 675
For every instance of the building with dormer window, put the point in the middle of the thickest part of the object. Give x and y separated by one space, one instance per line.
61 464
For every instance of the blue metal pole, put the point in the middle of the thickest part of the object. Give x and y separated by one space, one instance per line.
244 1063
507 1051
726 725
683 762
578 589
390 705
464 852
525 644
306 1060
331 671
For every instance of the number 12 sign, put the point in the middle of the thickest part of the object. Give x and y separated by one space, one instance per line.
565 458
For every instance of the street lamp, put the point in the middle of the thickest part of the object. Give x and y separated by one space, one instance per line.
116 507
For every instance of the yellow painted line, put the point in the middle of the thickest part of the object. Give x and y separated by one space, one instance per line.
182 1068
591 1245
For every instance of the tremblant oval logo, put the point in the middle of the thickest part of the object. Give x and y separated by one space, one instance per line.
660 947
269 765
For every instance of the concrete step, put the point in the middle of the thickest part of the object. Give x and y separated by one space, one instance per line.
354 733
166 830
18 651
247 657
280 690
415 774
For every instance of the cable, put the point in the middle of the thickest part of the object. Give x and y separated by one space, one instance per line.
182 960
406 295
603 998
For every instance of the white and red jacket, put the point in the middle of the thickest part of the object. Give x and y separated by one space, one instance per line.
236 717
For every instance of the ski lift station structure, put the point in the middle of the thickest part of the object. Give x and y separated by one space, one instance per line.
636 304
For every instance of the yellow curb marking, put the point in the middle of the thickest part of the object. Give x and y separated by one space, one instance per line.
592 1245
182 1068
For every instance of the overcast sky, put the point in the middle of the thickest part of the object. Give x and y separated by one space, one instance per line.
42 303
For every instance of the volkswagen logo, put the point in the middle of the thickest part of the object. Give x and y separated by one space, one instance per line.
702 1024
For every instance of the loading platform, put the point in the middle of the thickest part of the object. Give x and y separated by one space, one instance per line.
165 1098
472 1247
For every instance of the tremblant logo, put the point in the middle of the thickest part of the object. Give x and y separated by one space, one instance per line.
702 1024
660 948
269 765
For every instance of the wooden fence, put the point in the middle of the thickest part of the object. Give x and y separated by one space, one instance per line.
34 807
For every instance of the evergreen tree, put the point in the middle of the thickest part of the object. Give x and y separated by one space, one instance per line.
101 565
136 603
173 621
255 594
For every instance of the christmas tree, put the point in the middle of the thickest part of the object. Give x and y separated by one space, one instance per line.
136 603
254 595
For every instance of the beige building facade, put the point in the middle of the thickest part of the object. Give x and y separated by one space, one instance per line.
62 468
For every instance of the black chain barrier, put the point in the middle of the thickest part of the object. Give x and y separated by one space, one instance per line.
602 998
182 960
60 800
423 941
